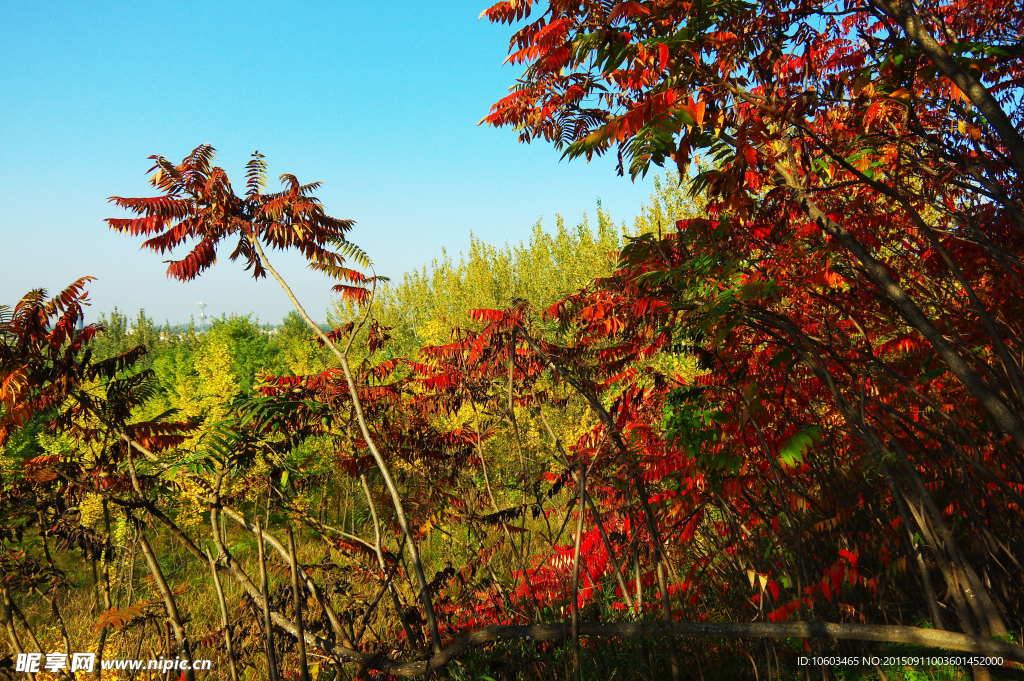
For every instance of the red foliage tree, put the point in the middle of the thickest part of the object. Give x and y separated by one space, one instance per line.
854 292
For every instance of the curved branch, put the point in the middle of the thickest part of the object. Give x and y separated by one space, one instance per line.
551 632
979 95
1008 420
414 554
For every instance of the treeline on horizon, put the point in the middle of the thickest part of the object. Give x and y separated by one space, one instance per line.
228 354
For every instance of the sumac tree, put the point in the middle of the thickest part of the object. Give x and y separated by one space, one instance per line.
853 290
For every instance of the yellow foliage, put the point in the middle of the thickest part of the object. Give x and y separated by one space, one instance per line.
207 393
91 508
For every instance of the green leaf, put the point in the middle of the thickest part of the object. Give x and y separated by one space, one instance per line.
934 373
792 453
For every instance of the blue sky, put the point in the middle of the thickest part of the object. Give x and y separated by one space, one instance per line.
380 105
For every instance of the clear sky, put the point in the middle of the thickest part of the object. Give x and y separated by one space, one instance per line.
378 101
